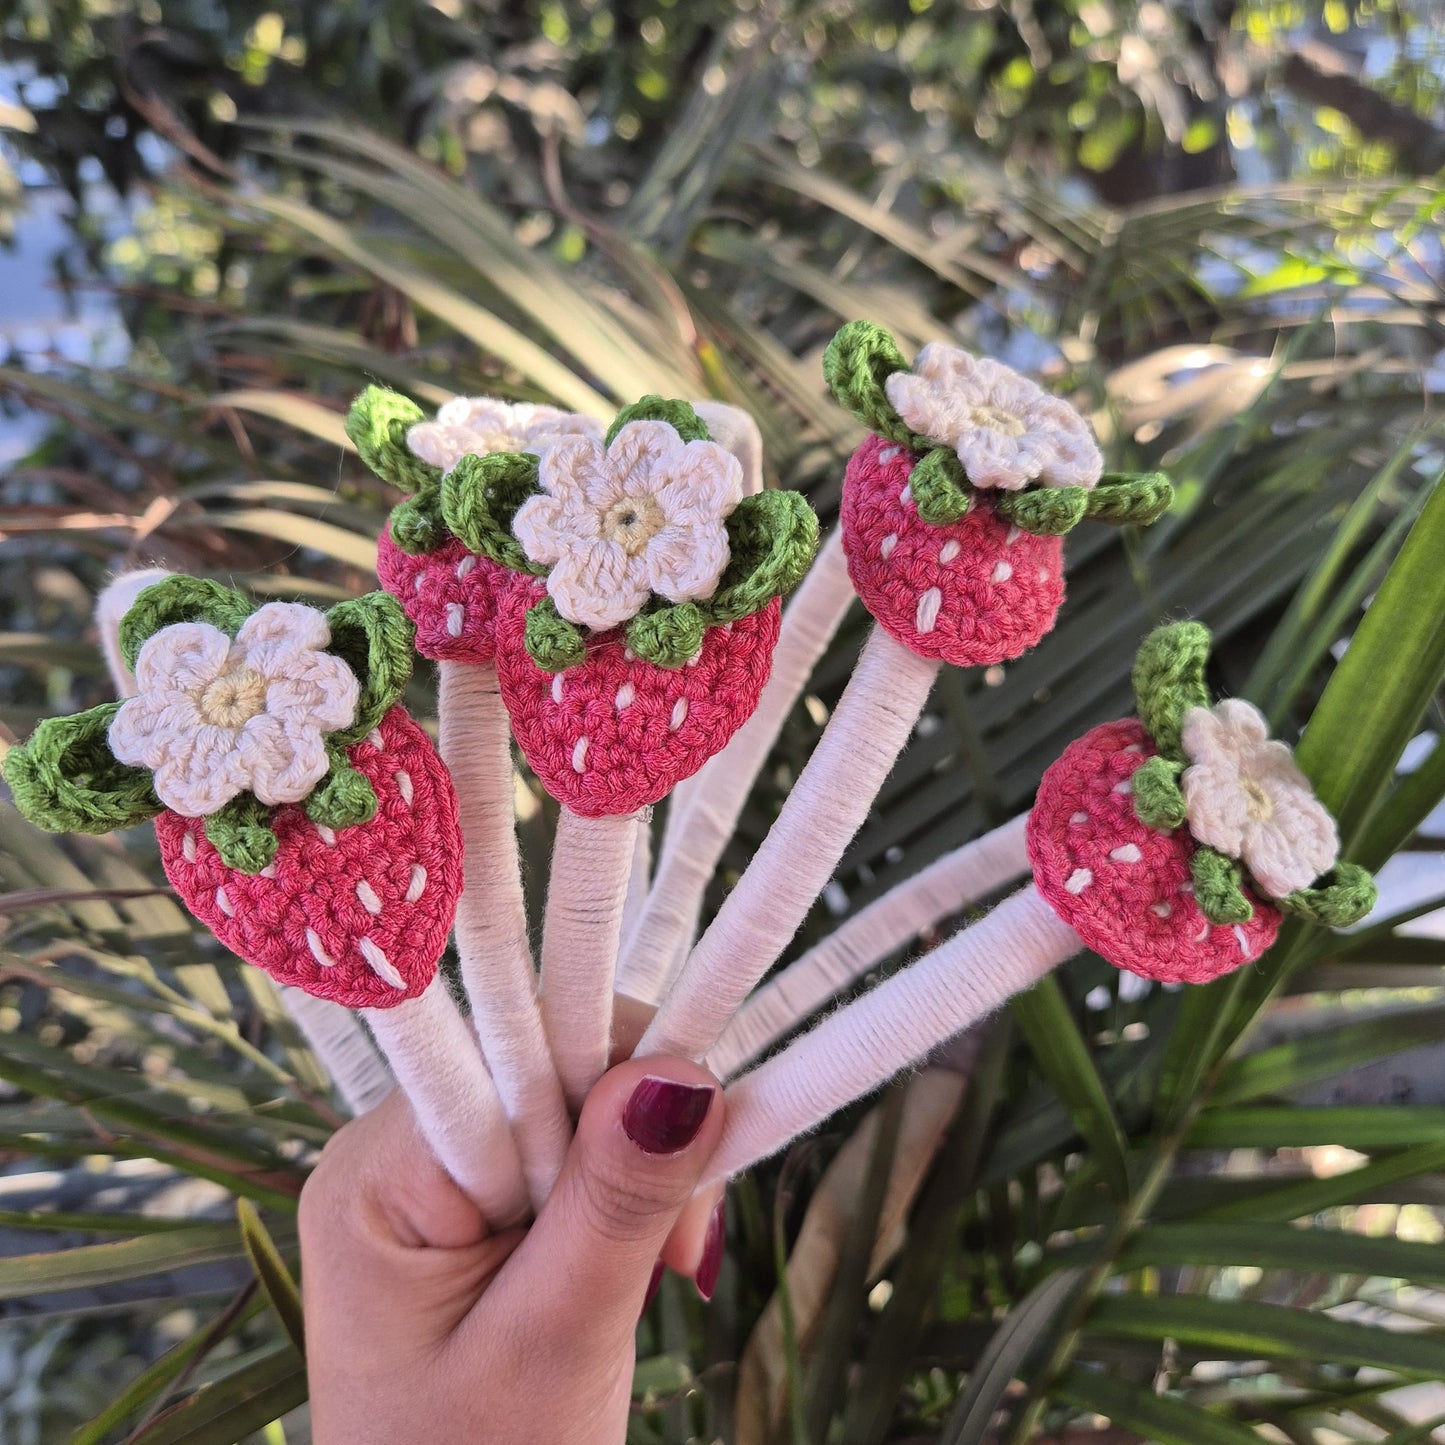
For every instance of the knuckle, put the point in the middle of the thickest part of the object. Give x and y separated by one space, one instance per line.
625 1205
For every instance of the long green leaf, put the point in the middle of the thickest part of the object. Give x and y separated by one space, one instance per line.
1321 1055
228 1410
89 1265
1062 1056
1250 1330
271 1273
1018 1338
1359 1127
1280 1246
1164 1418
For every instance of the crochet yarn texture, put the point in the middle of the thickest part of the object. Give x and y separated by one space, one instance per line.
450 594
1125 888
359 915
974 592
614 733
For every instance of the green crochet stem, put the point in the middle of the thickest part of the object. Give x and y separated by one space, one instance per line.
668 635
1219 887
179 599
856 365
677 414
1343 897
1045 511
480 497
1168 680
344 798
374 638
772 539
939 487
1158 798
66 780
377 424
552 642
241 833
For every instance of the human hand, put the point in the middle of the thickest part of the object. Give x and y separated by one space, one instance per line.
424 1326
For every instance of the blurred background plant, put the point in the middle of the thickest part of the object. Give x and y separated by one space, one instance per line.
1118 1212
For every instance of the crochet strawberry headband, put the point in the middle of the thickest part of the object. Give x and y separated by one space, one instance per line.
952 522
1169 843
301 814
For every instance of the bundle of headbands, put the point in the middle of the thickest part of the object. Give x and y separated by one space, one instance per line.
609 596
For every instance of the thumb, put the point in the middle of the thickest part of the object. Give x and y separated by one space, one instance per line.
646 1132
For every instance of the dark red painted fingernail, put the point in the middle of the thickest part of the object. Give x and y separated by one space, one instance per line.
652 1287
663 1117
710 1265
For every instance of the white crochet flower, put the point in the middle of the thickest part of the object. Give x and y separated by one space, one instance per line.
617 523
212 718
1245 795
481 425
1006 430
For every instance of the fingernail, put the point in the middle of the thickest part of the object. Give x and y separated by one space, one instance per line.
652 1287
663 1117
710 1265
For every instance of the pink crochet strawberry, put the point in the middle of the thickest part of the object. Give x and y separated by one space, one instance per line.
448 591
954 511
639 632
613 732
1171 842
302 815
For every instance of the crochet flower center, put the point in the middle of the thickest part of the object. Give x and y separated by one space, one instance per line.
233 699
633 522
1257 803
214 717
995 418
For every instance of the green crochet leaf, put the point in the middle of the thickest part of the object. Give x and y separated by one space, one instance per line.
1218 887
677 414
374 637
1343 897
1046 511
857 364
939 488
377 423
1131 498
179 599
1169 680
553 642
241 833
480 496
65 779
344 798
417 524
1158 800
772 538
668 635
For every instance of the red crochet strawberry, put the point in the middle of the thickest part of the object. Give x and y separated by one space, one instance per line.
639 632
613 733
358 914
448 591
974 591
954 512
1121 835
301 814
